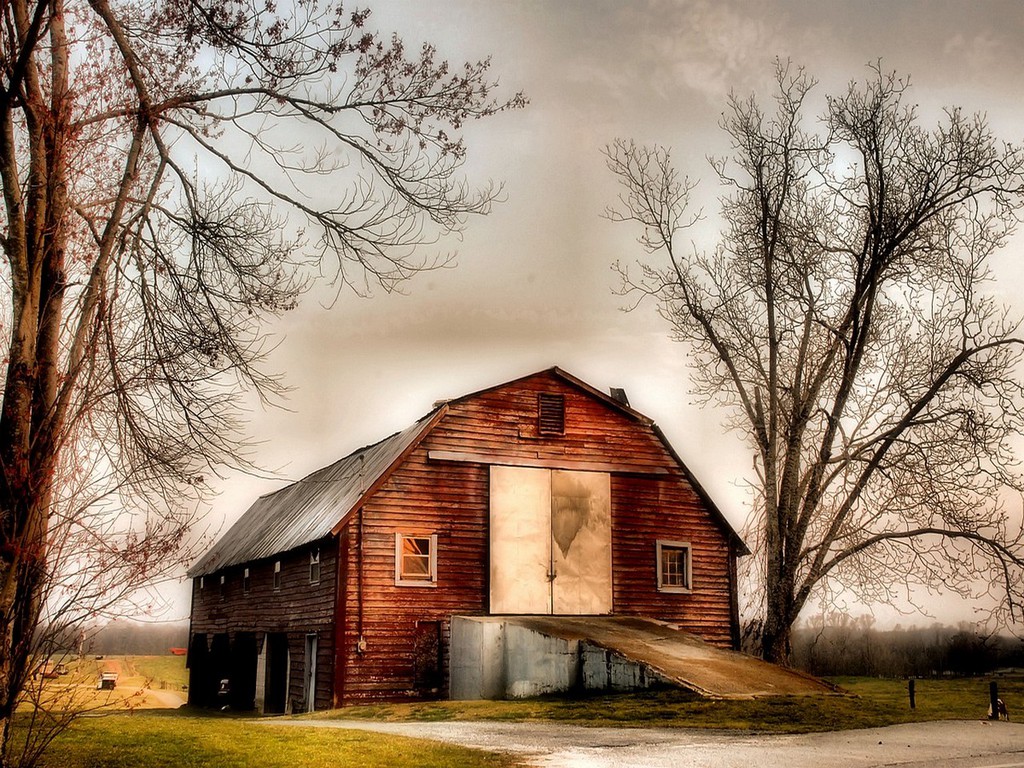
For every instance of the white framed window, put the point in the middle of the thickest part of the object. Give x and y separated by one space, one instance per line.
314 567
277 575
675 566
246 581
415 560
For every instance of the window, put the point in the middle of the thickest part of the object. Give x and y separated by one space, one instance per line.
246 581
674 566
222 580
550 414
314 567
202 582
277 574
415 560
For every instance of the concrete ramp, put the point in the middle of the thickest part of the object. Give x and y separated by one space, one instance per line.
497 657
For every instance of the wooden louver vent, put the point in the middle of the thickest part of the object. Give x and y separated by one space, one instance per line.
550 414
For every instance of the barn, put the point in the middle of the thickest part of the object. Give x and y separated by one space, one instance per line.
540 497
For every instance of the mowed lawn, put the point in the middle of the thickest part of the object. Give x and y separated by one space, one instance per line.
197 739
867 703
180 741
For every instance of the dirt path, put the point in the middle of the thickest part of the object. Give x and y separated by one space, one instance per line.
954 744
163 699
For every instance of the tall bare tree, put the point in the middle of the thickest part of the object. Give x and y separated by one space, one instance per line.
173 172
844 317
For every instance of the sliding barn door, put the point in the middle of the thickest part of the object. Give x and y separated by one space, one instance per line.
520 540
550 542
581 547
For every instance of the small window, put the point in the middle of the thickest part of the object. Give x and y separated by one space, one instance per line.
202 582
550 414
674 566
314 567
222 587
277 574
246 581
415 560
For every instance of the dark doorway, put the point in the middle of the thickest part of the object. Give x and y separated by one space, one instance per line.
220 670
201 684
427 662
243 671
276 694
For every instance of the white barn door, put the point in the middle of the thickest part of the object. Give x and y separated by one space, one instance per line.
550 542
520 540
581 545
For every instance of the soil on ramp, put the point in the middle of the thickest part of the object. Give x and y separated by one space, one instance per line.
680 657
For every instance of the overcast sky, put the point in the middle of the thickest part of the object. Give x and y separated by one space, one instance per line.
533 286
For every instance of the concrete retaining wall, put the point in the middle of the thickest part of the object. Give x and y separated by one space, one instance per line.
496 658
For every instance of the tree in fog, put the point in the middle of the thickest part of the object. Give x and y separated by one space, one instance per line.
173 172
846 318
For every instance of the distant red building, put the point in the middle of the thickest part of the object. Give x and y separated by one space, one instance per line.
538 496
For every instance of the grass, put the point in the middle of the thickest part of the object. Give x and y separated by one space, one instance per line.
868 703
176 741
190 739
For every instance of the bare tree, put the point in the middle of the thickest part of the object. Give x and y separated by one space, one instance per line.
843 318
172 173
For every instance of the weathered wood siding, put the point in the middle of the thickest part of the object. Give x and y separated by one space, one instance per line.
449 499
298 608
645 510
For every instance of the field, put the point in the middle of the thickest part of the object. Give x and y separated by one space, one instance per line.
200 739
143 682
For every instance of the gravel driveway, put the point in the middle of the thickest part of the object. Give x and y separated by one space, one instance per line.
953 744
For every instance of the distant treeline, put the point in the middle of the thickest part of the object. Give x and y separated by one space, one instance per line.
128 638
850 646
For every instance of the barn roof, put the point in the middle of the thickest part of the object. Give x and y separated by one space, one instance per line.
312 508
308 509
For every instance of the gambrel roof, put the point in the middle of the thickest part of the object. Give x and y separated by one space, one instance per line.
314 507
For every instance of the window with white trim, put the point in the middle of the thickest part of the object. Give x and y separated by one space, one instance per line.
277 574
314 567
675 566
415 560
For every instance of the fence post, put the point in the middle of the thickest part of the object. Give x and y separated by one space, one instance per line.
910 687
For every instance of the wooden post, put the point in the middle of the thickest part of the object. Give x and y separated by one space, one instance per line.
910 688
993 698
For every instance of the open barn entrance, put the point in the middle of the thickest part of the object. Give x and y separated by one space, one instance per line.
276 691
202 687
550 541
244 656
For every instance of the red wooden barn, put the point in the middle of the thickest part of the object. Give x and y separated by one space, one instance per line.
538 496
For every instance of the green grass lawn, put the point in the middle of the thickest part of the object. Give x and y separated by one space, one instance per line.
177 741
188 739
868 703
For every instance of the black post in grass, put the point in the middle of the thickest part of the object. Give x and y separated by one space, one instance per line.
993 701
910 688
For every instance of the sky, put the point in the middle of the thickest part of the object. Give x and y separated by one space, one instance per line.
533 284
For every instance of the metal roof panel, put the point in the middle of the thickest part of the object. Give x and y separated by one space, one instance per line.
308 509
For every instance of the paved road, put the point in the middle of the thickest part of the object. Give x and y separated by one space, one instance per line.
957 744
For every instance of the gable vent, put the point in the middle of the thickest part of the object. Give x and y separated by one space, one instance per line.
550 414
